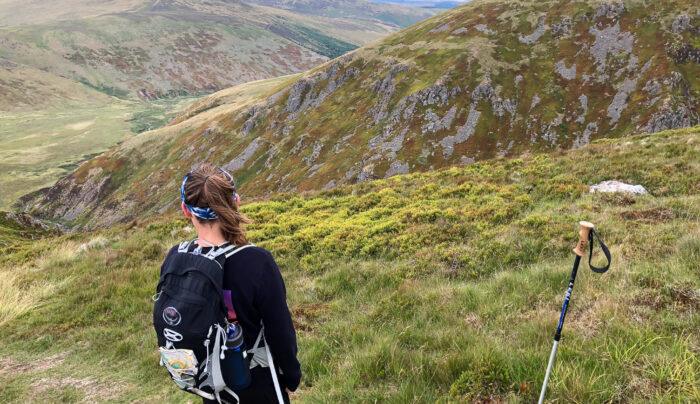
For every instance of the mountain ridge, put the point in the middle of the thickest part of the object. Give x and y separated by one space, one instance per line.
483 80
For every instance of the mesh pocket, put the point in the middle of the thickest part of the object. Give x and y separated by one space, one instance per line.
182 365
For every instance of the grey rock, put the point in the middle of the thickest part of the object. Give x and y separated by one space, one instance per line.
609 41
467 160
609 10
485 29
483 90
685 53
329 185
518 79
680 24
250 123
585 138
584 105
366 174
435 123
653 87
539 31
670 117
385 88
314 169
617 186
397 167
566 73
562 27
464 132
535 100
652 101
317 147
304 95
295 96
459 31
441 28
243 157
619 102
300 145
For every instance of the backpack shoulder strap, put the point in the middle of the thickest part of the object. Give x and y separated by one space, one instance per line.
240 248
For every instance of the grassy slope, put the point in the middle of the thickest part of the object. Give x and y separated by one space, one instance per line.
384 108
442 286
38 147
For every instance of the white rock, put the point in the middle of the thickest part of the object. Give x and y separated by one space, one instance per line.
616 186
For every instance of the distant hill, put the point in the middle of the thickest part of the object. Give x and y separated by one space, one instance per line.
486 79
355 9
79 76
424 3
164 48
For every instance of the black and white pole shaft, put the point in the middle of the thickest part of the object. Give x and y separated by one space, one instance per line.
580 250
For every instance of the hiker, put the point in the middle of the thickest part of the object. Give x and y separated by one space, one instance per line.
253 293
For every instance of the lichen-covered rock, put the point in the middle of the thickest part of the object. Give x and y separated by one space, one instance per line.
533 37
617 186
609 41
680 23
563 71
609 10
463 132
238 161
485 29
397 167
619 102
671 117
563 27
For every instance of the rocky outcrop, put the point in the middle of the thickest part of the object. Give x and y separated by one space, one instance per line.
533 37
680 24
609 41
566 73
609 10
671 117
463 132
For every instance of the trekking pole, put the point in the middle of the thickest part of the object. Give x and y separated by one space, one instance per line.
585 234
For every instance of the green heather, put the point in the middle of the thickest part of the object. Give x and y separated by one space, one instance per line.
442 286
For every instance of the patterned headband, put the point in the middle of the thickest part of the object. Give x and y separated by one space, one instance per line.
203 213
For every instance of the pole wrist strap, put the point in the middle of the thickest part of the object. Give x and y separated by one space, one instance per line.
602 247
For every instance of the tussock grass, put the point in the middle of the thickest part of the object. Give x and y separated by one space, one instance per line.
18 298
437 287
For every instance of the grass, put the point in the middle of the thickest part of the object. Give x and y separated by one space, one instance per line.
436 287
37 148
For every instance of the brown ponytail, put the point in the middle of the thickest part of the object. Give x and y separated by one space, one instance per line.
207 186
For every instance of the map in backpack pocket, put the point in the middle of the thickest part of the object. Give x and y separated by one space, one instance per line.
182 365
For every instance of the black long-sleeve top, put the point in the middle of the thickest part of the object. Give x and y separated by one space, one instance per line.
258 292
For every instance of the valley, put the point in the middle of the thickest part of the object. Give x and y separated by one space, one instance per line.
482 80
122 68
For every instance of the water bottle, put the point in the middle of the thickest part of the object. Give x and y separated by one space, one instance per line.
235 364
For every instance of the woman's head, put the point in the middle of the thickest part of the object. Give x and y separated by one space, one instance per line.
210 195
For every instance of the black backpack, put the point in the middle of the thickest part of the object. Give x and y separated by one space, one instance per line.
190 318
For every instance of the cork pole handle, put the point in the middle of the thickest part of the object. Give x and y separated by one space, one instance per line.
586 228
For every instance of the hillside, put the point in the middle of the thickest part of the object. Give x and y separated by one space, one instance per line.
165 48
80 76
357 9
442 286
485 79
